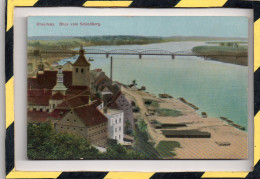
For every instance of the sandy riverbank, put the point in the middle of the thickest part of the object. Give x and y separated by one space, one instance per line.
226 141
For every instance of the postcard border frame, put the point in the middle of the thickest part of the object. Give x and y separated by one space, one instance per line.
9 86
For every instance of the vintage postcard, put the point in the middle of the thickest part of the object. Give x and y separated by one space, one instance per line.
137 87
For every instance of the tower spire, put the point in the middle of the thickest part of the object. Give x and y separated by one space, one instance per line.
59 87
81 50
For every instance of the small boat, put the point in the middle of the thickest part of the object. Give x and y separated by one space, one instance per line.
90 59
204 114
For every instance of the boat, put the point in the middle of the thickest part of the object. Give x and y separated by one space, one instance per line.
90 59
204 114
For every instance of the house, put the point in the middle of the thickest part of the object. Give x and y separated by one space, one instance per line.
119 101
115 124
85 121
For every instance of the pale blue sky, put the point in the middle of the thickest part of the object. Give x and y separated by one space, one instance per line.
143 25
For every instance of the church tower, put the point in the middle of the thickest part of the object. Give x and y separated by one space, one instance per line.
40 66
59 87
81 70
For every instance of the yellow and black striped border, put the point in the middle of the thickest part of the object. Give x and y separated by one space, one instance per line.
9 86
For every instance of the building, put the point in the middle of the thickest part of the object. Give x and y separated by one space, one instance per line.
85 121
115 124
81 71
119 101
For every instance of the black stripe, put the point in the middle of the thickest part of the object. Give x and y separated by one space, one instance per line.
9 149
154 3
255 173
178 175
245 4
43 3
256 91
8 54
88 175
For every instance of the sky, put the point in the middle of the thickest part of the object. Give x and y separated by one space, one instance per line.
164 26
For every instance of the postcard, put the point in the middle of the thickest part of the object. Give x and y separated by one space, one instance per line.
137 87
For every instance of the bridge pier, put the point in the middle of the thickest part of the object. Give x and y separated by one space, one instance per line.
173 56
107 55
140 56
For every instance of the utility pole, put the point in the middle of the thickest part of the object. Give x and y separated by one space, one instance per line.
111 68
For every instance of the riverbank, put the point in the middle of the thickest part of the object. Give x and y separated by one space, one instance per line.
219 140
226 54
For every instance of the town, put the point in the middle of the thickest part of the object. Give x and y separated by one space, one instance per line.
80 101
75 99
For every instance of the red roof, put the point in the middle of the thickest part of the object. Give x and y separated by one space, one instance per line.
98 69
37 116
90 115
58 96
39 97
74 101
58 113
112 102
39 92
41 101
48 79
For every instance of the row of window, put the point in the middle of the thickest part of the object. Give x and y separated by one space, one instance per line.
119 120
119 137
97 126
119 129
77 70
41 109
74 128
96 133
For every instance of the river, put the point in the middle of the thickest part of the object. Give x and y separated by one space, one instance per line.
220 89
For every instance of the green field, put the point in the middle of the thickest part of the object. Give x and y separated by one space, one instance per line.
166 148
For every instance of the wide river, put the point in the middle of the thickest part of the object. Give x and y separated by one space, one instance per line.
220 89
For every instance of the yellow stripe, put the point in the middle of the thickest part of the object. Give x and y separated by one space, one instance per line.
107 3
9 97
256 44
224 175
10 9
128 175
201 3
20 174
257 138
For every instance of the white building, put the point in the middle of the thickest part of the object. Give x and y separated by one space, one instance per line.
115 124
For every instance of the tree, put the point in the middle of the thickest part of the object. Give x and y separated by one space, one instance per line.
45 143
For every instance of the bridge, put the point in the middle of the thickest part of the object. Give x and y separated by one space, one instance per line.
138 52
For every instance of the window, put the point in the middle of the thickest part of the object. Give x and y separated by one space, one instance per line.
61 127
119 120
116 121
82 70
115 137
74 129
53 105
68 120
47 110
115 129
41 109
77 70
74 120
34 109
119 128
67 127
